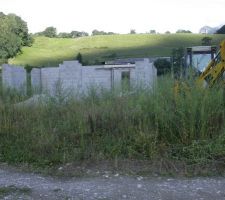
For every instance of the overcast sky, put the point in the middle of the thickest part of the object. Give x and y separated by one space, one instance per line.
117 15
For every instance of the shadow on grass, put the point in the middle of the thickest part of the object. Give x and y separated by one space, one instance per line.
158 45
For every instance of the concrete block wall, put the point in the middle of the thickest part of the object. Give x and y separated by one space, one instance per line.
14 77
36 77
49 79
145 73
73 77
70 75
96 76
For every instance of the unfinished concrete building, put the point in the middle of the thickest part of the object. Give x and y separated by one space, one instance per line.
74 77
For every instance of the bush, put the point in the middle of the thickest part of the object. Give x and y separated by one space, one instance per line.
163 66
178 61
132 31
206 40
79 58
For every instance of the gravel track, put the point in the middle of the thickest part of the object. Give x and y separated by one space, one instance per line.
109 186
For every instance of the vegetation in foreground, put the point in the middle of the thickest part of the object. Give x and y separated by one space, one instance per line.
97 49
147 124
13 190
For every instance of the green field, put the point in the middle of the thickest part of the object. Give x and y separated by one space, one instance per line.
96 49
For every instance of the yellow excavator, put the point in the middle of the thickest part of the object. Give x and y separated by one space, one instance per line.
213 73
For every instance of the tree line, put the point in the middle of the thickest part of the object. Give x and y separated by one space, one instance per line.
52 33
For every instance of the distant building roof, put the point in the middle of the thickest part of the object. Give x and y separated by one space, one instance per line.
123 61
201 48
132 60
208 30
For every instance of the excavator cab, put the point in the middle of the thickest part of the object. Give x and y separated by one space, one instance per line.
209 65
214 72
207 62
198 57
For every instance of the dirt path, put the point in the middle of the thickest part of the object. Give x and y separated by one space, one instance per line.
20 185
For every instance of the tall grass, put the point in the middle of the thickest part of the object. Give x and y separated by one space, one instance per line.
146 124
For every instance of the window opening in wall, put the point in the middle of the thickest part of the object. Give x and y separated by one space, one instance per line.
125 80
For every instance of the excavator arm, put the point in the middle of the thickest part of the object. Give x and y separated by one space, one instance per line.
215 69
212 74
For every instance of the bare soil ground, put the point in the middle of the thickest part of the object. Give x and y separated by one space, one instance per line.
15 183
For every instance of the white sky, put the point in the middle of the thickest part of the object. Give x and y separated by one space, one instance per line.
117 15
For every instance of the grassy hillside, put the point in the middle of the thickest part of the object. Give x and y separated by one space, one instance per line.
52 51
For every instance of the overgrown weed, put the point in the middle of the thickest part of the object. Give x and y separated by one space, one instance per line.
148 123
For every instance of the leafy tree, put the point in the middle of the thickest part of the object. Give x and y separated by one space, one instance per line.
13 35
178 61
183 31
30 40
19 27
2 14
75 34
50 32
111 33
206 41
221 30
132 31
167 32
152 32
163 66
96 32
10 44
79 58
83 34
64 35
